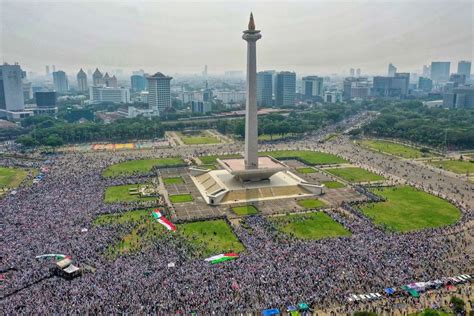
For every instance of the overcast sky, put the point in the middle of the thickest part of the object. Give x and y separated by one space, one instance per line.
318 37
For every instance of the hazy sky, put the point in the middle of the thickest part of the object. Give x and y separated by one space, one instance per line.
319 37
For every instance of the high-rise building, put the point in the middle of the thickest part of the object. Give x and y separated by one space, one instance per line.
402 80
47 70
109 94
464 68
461 97
54 68
82 81
264 88
202 107
457 79
60 81
352 72
138 83
45 99
27 90
11 88
391 70
207 94
391 86
312 87
159 92
425 84
204 72
358 72
440 70
355 88
96 77
285 88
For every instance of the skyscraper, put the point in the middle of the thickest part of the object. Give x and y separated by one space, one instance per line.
425 84
60 81
358 72
352 72
464 68
82 81
11 88
402 80
159 92
391 70
47 70
138 83
440 70
426 71
285 88
96 77
264 88
312 86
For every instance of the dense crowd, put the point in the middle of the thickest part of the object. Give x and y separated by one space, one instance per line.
274 271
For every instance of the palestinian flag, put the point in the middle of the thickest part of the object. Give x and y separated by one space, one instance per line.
165 222
156 214
222 257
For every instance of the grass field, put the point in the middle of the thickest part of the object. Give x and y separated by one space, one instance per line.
140 166
11 177
211 160
431 312
306 156
173 180
333 184
395 149
245 210
305 170
210 237
310 203
181 198
456 166
144 230
355 174
310 226
120 193
198 139
409 209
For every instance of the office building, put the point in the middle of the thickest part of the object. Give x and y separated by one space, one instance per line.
202 107
264 88
391 70
358 72
47 70
464 68
355 88
45 99
460 97
285 88
231 96
11 89
402 80
426 71
60 81
138 83
27 90
425 84
108 81
159 92
82 81
352 72
392 87
312 87
96 77
440 71
332 96
109 94
457 79
207 94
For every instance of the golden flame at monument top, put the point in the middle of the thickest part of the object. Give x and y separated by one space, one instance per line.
251 23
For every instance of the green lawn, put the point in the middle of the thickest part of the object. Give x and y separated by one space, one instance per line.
313 226
432 312
211 160
333 184
310 203
409 209
456 166
181 198
305 170
395 149
144 229
198 139
306 156
11 177
173 180
120 193
245 210
210 237
355 174
140 166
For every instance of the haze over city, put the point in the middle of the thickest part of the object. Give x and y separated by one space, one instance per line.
180 37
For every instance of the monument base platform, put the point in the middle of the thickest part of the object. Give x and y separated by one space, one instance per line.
219 187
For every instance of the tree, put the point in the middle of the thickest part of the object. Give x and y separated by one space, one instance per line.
27 141
54 141
457 305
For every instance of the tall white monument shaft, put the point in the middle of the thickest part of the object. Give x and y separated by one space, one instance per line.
251 123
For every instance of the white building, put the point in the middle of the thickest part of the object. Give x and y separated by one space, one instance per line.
202 107
231 96
60 82
82 81
159 93
312 86
11 89
109 94
332 96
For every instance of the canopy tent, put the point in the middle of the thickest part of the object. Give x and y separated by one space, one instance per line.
57 256
222 257
303 306
411 291
389 290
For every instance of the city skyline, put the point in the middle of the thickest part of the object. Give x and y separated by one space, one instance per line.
406 34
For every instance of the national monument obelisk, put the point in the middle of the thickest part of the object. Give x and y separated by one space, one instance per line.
251 123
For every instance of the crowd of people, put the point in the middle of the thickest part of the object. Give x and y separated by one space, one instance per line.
273 271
